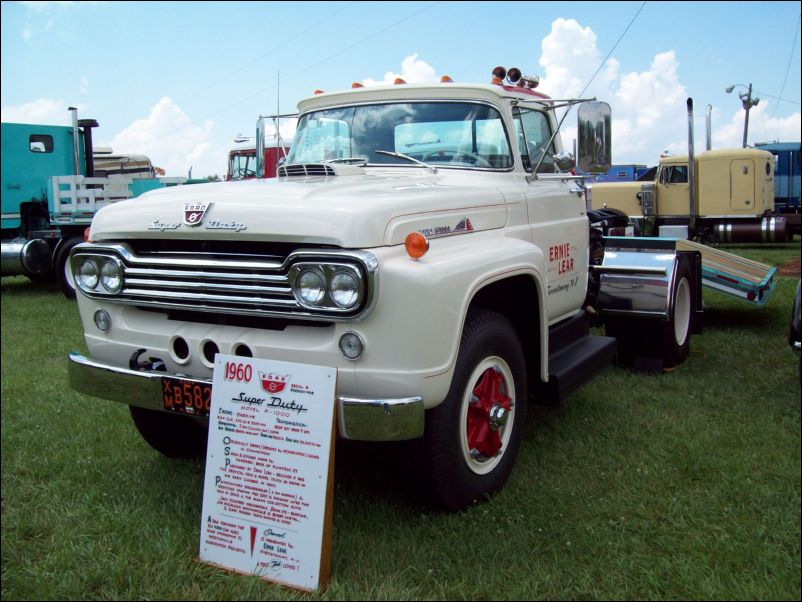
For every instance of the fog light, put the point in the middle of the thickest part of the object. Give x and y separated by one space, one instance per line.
351 346
102 320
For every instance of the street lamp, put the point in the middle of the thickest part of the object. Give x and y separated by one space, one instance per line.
747 101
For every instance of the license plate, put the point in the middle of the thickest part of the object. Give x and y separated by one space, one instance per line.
186 397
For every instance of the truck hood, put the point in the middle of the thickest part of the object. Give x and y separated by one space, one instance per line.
356 211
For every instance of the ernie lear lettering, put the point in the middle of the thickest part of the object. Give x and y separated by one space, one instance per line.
275 402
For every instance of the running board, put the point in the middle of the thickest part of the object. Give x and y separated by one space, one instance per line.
573 359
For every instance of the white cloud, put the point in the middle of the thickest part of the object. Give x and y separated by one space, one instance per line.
649 107
762 127
172 141
413 71
43 111
83 85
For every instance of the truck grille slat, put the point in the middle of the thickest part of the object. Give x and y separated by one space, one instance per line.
158 285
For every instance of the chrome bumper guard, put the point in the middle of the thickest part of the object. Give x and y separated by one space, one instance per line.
395 419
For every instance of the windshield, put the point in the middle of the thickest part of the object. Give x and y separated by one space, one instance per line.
448 134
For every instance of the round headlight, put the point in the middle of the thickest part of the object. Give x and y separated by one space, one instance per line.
87 276
311 287
344 290
111 277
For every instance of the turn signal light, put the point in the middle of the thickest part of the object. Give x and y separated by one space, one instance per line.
416 245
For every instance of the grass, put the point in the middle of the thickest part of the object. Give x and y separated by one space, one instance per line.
684 485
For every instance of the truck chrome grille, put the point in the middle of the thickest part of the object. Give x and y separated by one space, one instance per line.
219 282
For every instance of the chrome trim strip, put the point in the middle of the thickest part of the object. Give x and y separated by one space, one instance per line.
388 419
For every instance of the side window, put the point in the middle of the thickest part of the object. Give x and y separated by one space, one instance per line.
40 143
677 174
533 132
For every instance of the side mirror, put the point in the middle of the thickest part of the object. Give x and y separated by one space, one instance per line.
595 137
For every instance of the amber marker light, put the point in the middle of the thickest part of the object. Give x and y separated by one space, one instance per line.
87 232
398 81
416 245
446 80
357 85
318 92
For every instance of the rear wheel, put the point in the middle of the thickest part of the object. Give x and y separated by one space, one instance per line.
63 268
668 340
173 435
472 438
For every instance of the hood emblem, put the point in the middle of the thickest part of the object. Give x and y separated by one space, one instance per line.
195 212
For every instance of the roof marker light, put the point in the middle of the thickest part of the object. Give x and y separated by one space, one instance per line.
446 79
398 80
318 92
357 85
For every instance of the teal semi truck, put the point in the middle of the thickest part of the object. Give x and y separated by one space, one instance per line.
51 191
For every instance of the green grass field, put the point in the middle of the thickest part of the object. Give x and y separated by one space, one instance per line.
683 485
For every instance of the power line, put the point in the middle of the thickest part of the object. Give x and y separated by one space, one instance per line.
272 50
328 58
621 37
788 66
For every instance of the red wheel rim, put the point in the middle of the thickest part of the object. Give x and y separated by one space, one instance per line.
482 429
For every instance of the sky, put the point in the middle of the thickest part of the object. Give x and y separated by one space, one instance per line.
178 81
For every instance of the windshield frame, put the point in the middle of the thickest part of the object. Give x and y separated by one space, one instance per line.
511 151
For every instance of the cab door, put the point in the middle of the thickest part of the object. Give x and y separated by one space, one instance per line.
673 190
557 220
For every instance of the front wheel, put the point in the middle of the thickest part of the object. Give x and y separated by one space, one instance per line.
472 438
173 435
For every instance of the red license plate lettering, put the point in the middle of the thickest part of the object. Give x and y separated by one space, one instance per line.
186 397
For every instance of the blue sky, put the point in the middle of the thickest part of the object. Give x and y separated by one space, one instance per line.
179 80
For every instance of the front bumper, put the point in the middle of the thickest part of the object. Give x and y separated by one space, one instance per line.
395 419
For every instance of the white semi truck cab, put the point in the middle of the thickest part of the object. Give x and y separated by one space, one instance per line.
428 241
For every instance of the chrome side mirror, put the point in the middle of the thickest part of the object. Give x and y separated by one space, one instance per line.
595 140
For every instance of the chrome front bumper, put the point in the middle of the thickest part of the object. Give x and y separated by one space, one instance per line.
362 419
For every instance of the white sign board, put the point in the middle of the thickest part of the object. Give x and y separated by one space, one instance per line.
267 491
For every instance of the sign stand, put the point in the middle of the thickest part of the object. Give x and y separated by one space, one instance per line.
268 490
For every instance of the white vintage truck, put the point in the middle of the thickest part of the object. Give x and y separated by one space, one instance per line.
427 241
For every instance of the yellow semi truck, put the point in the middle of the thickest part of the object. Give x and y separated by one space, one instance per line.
720 196
730 198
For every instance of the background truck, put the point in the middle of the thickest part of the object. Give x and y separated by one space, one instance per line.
428 241
53 182
787 166
619 173
720 195
243 160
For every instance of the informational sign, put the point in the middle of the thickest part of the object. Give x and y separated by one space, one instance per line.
267 493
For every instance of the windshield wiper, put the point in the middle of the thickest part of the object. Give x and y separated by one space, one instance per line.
408 158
